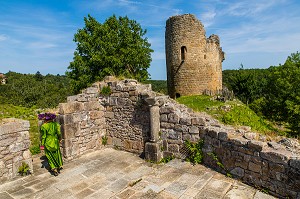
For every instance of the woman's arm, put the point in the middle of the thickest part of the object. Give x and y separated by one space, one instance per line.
44 135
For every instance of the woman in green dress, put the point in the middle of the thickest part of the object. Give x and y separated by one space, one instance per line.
50 140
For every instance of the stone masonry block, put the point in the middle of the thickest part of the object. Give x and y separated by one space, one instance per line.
166 125
239 172
69 130
70 107
254 167
174 148
257 145
92 90
152 151
295 163
198 121
173 118
239 141
152 147
185 121
72 98
213 132
70 118
194 130
276 156
181 128
164 118
96 114
166 110
223 136
92 105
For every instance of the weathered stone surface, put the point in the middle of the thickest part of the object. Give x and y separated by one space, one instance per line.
91 105
164 118
276 156
239 172
166 110
254 167
257 145
14 147
295 163
185 121
223 136
239 141
194 130
213 132
96 114
174 148
173 118
197 121
70 107
152 151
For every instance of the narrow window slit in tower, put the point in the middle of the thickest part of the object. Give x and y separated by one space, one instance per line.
183 53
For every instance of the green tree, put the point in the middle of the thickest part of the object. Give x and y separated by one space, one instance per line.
247 84
282 102
116 47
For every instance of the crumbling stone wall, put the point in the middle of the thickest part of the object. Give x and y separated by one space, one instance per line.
194 62
136 119
274 166
83 123
14 147
127 114
122 118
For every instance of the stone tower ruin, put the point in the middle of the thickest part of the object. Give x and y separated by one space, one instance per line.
194 62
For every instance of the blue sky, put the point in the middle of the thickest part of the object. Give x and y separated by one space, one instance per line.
37 35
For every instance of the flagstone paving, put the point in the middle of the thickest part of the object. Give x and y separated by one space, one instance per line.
114 174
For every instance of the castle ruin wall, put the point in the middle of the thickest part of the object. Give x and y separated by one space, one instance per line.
138 120
14 147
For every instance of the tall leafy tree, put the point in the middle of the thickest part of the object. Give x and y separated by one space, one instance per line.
116 47
283 94
247 84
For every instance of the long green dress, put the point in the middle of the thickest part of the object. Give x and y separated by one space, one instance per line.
50 140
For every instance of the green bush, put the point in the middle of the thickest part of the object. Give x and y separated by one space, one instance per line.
24 169
106 91
195 151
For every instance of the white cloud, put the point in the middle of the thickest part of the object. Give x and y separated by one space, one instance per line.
3 37
207 18
41 45
244 8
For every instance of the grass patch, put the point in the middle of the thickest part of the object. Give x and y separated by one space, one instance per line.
30 114
231 112
199 103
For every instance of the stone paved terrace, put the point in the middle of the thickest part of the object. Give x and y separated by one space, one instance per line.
110 173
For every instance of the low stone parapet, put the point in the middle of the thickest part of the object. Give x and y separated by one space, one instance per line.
14 147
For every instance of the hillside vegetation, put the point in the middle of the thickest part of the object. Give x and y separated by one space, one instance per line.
272 93
233 113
